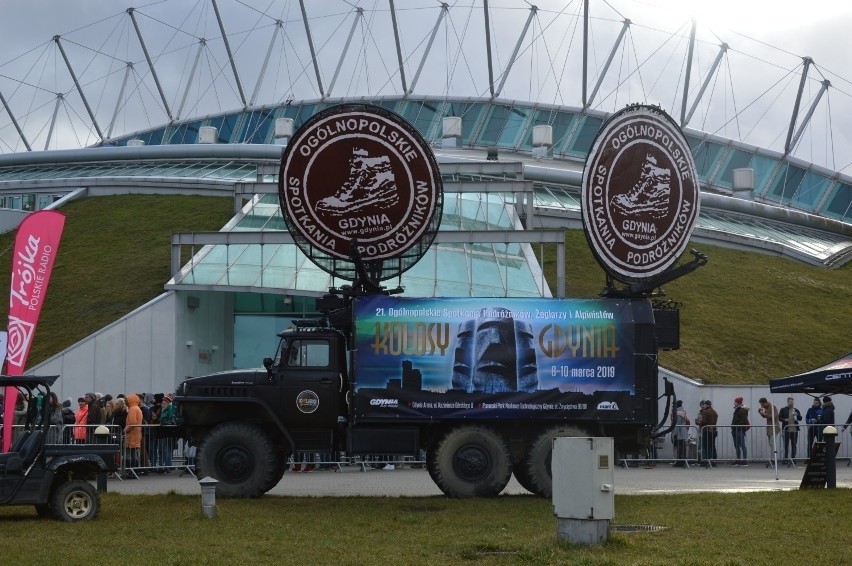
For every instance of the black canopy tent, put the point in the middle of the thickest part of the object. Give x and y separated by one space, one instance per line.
833 378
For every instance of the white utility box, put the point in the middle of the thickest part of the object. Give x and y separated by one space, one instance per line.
583 488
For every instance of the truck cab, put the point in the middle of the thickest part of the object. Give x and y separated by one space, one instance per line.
247 423
311 375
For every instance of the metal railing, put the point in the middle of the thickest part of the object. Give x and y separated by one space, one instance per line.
791 446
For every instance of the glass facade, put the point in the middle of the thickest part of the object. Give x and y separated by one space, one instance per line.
482 269
496 123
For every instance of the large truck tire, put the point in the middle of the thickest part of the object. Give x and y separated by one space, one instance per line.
536 462
76 500
242 458
471 461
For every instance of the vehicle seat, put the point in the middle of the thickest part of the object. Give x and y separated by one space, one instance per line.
22 459
19 442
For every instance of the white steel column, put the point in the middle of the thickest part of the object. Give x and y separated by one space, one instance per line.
825 84
59 99
201 43
398 48
533 10
688 73
79 88
118 100
444 9
278 25
228 51
722 49
130 12
15 122
359 13
608 63
488 48
311 47
806 64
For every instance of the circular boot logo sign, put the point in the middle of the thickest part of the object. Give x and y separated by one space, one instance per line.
360 173
640 194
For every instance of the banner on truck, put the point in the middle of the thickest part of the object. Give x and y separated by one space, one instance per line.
509 357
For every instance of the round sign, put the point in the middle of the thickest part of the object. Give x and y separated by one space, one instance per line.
307 401
640 194
357 174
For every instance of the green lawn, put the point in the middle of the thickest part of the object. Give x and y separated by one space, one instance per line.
745 317
794 527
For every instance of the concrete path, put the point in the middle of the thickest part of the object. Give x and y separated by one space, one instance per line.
413 482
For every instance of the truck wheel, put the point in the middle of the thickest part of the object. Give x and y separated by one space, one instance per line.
471 461
76 500
536 462
242 458
275 478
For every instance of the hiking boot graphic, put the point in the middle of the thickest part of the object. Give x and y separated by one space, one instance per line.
371 183
650 194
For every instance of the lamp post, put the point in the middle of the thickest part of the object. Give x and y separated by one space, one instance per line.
208 497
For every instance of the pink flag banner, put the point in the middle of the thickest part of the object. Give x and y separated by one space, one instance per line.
36 246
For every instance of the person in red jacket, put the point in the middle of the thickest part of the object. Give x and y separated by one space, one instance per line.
80 419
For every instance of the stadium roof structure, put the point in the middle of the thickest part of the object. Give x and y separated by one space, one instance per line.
428 63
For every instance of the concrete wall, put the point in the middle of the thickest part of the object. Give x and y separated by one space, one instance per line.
204 333
145 351
10 219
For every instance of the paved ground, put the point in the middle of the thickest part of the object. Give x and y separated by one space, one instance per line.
416 482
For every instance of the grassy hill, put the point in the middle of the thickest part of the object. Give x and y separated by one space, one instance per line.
114 257
745 317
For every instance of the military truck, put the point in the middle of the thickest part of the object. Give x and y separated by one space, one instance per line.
481 386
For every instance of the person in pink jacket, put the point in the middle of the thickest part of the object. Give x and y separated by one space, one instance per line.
80 419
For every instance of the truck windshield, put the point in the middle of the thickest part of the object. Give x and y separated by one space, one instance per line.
308 353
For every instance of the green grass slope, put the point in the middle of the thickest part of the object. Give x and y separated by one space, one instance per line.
114 257
745 317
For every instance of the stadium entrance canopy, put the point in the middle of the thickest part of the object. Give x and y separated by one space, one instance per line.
834 378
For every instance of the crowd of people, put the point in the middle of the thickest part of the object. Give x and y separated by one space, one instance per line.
131 415
130 418
787 421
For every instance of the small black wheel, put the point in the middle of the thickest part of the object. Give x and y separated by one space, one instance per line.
536 462
242 458
76 500
471 461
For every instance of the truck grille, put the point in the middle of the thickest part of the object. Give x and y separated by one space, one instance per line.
219 391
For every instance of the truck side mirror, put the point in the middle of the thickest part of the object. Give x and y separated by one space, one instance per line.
267 363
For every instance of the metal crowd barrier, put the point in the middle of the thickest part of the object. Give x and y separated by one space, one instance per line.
160 451
760 447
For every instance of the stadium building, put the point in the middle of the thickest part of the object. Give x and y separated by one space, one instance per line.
511 144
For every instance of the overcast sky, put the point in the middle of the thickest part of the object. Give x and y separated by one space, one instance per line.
750 98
